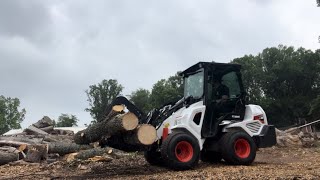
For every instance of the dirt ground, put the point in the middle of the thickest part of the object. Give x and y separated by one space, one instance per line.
271 163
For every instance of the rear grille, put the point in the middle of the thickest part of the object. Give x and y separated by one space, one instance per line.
254 127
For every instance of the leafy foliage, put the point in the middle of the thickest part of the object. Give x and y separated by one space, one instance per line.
10 116
283 81
167 90
101 95
141 98
67 120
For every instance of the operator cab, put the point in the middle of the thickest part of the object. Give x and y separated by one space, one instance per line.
220 87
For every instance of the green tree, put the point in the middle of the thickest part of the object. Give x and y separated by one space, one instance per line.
166 90
251 73
283 81
101 95
67 120
141 98
10 116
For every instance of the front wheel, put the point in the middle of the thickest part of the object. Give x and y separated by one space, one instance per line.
238 148
180 151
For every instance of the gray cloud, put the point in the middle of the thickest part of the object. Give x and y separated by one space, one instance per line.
51 51
27 19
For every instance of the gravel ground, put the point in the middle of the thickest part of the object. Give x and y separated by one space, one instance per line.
270 163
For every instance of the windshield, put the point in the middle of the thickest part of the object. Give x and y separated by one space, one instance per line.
193 85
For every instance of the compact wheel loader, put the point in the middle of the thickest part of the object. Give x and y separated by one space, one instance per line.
212 122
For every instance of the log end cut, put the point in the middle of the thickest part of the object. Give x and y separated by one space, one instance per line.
130 121
118 108
147 134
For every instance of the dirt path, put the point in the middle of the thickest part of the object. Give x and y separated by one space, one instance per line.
271 163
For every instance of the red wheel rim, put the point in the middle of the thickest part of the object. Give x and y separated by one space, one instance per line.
184 151
242 148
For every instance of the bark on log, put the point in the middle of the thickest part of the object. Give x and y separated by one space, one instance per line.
144 134
118 124
34 130
47 129
11 143
37 152
116 109
62 148
26 139
44 122
6 157
118 142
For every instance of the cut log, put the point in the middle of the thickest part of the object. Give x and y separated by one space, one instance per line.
6 157
145 134
47 129
118 124
122 123
25 138
11 143
37 152
34 130
118 142
116 109
62 148
9 149
44 122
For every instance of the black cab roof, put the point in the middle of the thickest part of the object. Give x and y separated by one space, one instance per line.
211 66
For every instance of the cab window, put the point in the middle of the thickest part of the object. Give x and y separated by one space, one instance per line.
232 82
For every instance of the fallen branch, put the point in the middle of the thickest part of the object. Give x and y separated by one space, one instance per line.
62 148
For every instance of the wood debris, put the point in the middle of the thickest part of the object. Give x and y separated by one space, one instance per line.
42 143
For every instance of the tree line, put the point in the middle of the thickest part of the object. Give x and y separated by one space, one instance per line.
283 80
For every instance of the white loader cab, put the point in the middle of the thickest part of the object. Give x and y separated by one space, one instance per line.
212 122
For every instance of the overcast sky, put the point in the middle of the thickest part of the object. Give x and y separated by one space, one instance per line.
51 51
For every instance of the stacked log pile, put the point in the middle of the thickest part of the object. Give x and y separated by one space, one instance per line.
294 137
40 142
120 130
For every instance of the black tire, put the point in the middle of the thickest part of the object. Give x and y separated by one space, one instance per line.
238 148
210 156
153 157
180 151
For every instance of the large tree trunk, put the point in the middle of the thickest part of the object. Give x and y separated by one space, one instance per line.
118 142
139 139
144 134
6 157
66 148
120 123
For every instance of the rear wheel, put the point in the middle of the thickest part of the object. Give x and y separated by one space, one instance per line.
180 151
210 156
238 148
